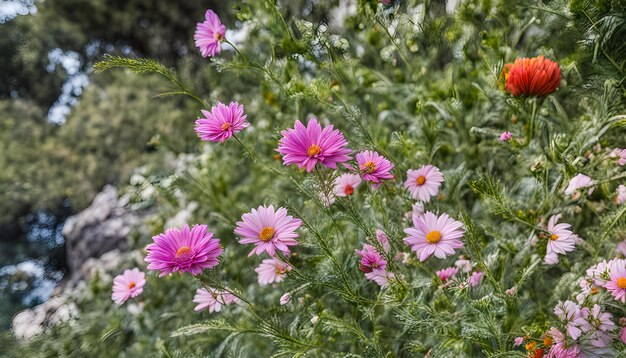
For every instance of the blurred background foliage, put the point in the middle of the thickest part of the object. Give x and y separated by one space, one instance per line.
429 96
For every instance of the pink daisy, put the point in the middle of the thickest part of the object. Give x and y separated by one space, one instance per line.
561 240
127 285
423 182
505 136
383 239
621 153
380 276
374 167
446 274
186 250
307 146
580 181
222 122
272 270
370 259
598 320
561 349
616 284
476 278
209 34
213 299
434 235
268 230
620 195
622 335
463 264
569 312
346 184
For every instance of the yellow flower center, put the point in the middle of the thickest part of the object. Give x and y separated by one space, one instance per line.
218 36
279 270
553 237
314 150
266 234
369 167
420 180
621 282
225 126
547 342
132 285
183 254
433 237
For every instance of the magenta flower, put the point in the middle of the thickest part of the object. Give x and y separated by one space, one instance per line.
272 270
580 181
424 182
209 34
307 146
184 250
127 285
518 341
383 239
561 240
476 278
446 274
222 122
616 284
561 349
284 299
434 235
346 184
213 299
374 167
620 195
505 136
268 230
370 259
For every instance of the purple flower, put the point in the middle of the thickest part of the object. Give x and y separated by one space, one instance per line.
127 285
268 229
434 235
209 34
424 182
374 167
184 250
222 122
505 136
370 259
307 146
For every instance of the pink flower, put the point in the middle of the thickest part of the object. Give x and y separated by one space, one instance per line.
446 274
184 250
569 312
511 291
284 299
599 273
560 349
370 259
561 240
620 194
617 279
222 122
346 184
598 320
213 299
209 34
272 270
621 153
518 341
476 278
127 285
268 230
578 182
463 264
383 239
506 136
307 146
424 182
434 235
374 167
380 276
622 334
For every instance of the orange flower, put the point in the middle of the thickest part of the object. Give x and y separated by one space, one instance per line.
535 76
537 353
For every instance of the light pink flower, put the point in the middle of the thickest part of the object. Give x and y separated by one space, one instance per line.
284 299
213 299
620 194
569 312
580 181
560 349
222 122
186 250
209 34
346 184
307 146
463 264
561 239
374 167
476 278
370 259
597 319
551 258
616 284
518 341
383 239
424 182
272 270
622 334
417 210
511 291
268 230
447 273
380 276
434 235
127 285
621 153
599 273
505 136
